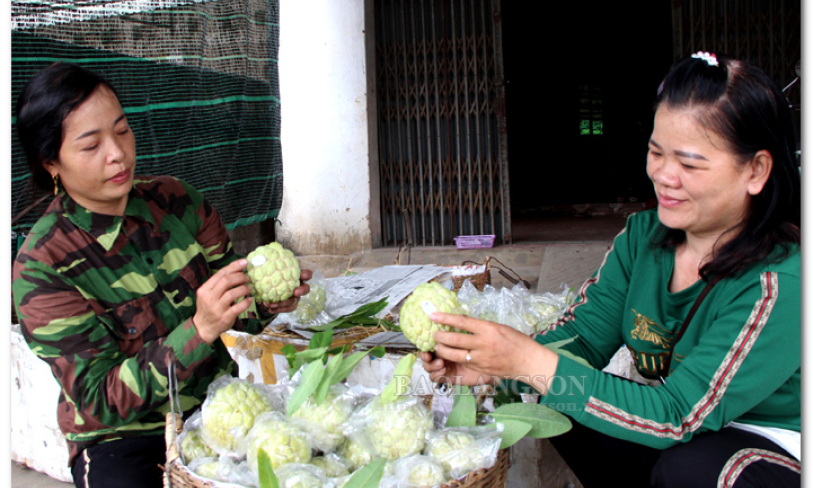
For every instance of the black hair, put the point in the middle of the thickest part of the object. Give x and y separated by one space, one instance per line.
742 104
42 106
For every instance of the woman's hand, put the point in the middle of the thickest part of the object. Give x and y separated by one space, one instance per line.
443 371
216 310
489 352
289 305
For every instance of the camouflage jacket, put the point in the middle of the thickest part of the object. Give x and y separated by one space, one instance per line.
107 302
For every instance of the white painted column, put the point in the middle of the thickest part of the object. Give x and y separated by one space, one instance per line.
326 203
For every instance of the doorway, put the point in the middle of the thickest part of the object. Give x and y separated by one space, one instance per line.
580 79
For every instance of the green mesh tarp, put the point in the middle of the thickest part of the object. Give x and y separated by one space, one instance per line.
198 83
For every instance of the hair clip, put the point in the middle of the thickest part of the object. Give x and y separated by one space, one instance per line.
709 58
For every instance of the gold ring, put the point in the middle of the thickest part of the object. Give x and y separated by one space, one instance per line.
468 356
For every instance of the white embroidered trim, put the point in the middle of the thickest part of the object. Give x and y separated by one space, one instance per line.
745 457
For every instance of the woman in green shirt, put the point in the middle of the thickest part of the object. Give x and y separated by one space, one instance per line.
719 255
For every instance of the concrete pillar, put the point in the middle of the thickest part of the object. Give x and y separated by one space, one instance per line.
326 206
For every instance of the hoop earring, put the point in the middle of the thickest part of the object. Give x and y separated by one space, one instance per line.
55 176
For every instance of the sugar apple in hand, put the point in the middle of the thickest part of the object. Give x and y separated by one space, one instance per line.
229 413
273 273
425 299
284 441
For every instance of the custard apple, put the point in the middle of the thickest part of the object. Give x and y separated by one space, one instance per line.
298 475
425 299
356 453
284 441
311 304
445 441
547 313
209 467
324 421
420 471
273 273
229 411
396 429
458 462
333 465
193 446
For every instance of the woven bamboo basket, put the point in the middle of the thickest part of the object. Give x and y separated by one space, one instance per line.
480 274
262 347
176 475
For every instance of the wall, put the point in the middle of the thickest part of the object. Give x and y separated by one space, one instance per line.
326 205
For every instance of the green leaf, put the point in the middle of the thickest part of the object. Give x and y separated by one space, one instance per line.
311 354
544 421
322 390
302 358
369 476
290 354
298 363
364 312
321 339
514 430
310 381
399 383
347 366
378 352
464 412
338 350
265 471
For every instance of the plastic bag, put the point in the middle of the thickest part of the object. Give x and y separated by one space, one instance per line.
191 442
333 465
517 307
311 309
414 471
300 475
392 430
549 307
284 440
224 470
463 449
324 422
229 411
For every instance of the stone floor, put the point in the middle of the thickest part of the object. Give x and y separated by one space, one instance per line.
545 252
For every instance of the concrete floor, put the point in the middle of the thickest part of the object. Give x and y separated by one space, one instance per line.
546 253
23 477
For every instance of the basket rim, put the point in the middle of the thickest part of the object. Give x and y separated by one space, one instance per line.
496 475
472 479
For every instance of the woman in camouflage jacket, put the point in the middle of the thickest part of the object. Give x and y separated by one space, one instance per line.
123 279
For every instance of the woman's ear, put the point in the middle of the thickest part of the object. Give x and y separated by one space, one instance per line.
48 166
760 169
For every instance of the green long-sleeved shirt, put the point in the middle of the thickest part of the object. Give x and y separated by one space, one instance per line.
107 302
739 359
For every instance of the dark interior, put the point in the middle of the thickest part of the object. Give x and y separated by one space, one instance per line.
568 62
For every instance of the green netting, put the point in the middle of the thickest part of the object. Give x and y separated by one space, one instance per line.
198 82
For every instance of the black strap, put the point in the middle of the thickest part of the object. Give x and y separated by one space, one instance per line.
709 285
